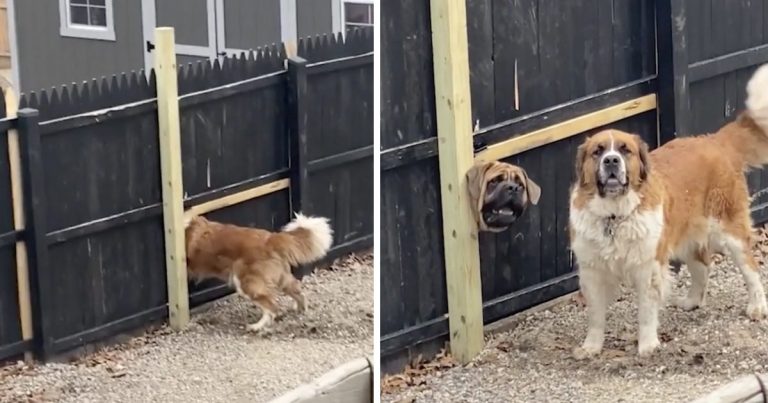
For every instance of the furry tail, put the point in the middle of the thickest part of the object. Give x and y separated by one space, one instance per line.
303 240
757 97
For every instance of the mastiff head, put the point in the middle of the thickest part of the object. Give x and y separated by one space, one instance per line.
499 194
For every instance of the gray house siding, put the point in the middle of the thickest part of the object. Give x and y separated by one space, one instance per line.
314 17
47 59
250 24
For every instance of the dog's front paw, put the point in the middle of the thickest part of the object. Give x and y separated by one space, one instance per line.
254 328
586 351
688 303
297 307
646 348
757 310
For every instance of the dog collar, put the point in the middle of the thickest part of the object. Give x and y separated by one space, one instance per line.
610 224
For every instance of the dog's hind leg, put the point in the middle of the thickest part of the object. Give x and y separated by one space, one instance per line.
698 265
737 241
293 289
259 293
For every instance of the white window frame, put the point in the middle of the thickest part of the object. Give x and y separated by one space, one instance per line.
68 29
342 23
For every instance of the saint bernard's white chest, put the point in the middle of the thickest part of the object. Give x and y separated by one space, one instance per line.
611 234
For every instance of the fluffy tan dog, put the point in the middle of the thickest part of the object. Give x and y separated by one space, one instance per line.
632 211
500 193
255 261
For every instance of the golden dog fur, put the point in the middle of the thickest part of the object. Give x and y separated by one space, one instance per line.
481 174
255 261
686 200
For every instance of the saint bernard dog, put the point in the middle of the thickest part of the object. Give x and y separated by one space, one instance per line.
632 211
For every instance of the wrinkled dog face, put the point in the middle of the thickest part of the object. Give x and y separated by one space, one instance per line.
612 161
500 193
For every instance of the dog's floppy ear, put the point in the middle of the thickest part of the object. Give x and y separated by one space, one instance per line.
581 155
476 183
644 163
533 190
476 189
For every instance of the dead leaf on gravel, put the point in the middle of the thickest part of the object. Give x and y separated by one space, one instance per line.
611 353
504 346
579 300
697 359
416 373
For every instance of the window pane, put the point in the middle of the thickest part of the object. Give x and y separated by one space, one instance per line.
98 17
78 15
359 13
83 2
98 2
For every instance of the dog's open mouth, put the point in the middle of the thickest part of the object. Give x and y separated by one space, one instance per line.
612 185
501 217
613 182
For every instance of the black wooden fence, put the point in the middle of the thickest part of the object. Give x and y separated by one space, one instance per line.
93 193
534 63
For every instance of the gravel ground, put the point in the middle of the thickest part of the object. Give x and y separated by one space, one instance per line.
701 351
215 359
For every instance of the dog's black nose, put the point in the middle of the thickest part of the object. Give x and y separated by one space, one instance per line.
513 187
611 161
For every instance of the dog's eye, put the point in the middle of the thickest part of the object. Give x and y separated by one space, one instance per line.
494 181
598 151
624 149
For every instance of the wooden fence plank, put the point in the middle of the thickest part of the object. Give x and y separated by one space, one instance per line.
236 198
17 194
568 128
172 184
455 152
672 56
36 224
298 117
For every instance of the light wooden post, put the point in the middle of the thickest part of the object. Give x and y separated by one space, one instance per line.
454 126
173 188
17 194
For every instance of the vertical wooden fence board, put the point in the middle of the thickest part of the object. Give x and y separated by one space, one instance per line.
10 326
172 181
298 117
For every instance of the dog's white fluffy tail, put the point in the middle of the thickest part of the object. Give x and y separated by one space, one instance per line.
304 240
757 97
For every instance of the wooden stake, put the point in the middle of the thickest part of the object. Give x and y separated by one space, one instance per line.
239 197
17 194
454 126
173 188
290 48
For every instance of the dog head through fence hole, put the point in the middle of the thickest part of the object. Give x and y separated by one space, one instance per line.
499 193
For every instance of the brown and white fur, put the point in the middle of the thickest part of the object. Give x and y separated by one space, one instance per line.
632 211
255 261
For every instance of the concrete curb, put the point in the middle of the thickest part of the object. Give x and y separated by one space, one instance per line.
350 382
